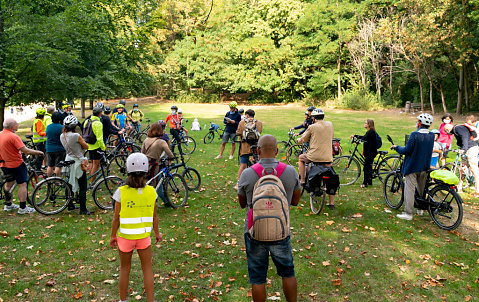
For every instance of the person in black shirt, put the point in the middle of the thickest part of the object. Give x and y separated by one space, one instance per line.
369 151
308 121
465 135
108 128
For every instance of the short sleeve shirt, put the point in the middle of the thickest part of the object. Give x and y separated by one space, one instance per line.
10 150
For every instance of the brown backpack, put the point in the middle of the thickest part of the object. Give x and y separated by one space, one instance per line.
268 219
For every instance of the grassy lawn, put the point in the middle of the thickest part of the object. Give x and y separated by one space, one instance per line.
339 255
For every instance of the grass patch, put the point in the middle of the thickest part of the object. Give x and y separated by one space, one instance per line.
372 258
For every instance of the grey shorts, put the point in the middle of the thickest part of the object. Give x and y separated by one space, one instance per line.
229 136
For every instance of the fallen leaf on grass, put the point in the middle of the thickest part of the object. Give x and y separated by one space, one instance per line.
326 263
346 230
51 282
109 281
336 282
4 233
137 297
329 222
77 296
50 226
357 215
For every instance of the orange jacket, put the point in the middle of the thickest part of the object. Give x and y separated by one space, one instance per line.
39 128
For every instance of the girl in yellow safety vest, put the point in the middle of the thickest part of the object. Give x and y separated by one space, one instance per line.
134 218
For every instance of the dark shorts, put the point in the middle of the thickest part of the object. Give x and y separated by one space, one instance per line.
18 174
257 254
229 136
244 159
95 154
54 158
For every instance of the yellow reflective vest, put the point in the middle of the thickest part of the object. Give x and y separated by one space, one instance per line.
37 138
47 120
136 214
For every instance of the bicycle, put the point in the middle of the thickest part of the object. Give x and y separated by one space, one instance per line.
187 144
348 167
440 199
54 194
460 169
171 187
317 194
116 155
192 176
295 150
210 136
141 135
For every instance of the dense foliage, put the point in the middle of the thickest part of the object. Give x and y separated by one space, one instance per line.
382 52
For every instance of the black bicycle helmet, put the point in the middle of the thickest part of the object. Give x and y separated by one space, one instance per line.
174 107
123 102
311 108
107 109
241 111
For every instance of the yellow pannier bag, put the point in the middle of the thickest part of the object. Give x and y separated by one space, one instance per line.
445 176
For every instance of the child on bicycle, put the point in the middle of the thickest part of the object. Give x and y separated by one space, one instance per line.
134 218
436 150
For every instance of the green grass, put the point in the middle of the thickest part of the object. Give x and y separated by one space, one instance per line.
372 258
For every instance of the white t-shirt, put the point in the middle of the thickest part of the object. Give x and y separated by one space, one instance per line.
437 146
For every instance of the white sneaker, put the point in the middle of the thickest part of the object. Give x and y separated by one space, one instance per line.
27 210
405 216
236 187
218 157
10 207
420 212
231 156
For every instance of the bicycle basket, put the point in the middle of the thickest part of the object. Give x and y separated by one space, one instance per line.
445 176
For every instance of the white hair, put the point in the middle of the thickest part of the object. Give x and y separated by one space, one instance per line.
9 123
50 109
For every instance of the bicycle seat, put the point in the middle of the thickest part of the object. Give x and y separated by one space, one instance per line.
28 136
336 139
66 163
382 152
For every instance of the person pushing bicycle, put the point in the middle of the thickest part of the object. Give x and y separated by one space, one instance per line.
308 120
418 153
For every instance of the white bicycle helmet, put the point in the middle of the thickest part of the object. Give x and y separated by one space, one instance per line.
426 119
180 111
317 113
137 162
70 121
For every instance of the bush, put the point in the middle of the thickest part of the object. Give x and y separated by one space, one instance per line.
196 97
359 100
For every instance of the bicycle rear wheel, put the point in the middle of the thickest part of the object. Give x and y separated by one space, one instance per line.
140 137
103 191
175 190
117 165
347 168
317 202
393 190
209 137
192 178
388 164
51 196
445 207
188 145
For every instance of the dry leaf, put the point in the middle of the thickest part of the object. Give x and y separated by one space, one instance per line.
357 215
346 230
50 282
326 263
336 282
77 296
329 222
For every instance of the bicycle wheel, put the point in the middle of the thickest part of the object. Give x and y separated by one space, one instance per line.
393 190
51 196
293 153
140 137
388 164
129 149
209 137
175 190
104 189
317 202
117 165
192 178
282 149
347 168
445 207
188 145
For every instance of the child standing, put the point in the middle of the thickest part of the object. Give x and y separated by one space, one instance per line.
134 218
436 150
445 138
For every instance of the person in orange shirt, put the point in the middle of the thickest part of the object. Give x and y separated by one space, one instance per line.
175 124
13 167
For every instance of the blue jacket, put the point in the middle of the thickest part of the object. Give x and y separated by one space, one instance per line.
418 152
235 116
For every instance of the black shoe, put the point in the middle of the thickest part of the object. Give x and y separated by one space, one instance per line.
72 207
331 206
86 212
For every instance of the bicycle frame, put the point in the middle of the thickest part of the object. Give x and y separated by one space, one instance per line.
360 157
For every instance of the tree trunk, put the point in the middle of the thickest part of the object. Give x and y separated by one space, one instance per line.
459 91
3 101
466 89
418 73
430 97
3 59
82 105
391 69
442 98
91 104
339 72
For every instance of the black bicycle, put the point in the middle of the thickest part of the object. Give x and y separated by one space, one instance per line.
212 132
439 198
348 167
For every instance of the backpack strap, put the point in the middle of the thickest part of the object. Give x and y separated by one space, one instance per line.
260 170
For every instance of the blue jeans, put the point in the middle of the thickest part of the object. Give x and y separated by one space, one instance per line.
257 253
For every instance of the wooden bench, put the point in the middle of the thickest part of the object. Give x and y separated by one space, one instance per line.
417 107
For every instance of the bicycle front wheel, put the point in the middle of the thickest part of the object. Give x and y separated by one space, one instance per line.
317 202
103 191
393 190
293 153
209 137
175 190
117 165
282 150
388 164
347 168
188 145
51 196
445 207
192 178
